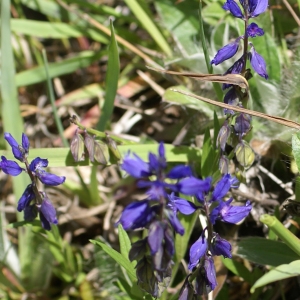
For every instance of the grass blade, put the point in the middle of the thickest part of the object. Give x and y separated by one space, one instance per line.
111 82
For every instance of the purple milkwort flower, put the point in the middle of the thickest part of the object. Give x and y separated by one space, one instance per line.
258 63
10 167
47 213
223 186
192 186
228 213
26 198
257 7
136 215
156 166
226 52
242 124
233 7
175 223
36 167
220 246
155 236
197 250
231 98
184 206
206 280
253 30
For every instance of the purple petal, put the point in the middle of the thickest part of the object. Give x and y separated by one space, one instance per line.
235 214
155 236
49 178
48 213
231 98
184 206
242 124
25 143
30 213
10 167
209 267
136 215
26 198
222 187
226 52
179 172
253 30
223 135
18 154
221 247
233 7
45 223
257 7
135 166
169 241
197 250
156 188
192 186
38 163
258 63
175 223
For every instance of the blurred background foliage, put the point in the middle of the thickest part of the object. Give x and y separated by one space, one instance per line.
76 37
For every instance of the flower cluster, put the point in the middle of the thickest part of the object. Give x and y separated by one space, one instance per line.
33 201
158 213
240 124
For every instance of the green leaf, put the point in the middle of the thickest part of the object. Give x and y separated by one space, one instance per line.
125 244
149 25
270 252
111 81
54 30
69 65
62 157
279 273
119 258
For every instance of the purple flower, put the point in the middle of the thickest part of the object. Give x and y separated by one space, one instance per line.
236 68
206 280
257 7
175 223
223 186
184 206
233 7
16 149
242 124
25 143
156 188
10 167
226 52
135 166
36 167
231 98
228 213
136 215
155 236
253 30
26 198
30 213
179 172
220 246
47 213
192 186
197 250
258 63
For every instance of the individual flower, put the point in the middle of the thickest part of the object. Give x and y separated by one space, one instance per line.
226 52
37 168
231 98
192 186
136 215
220 246
18 151
26 198
228 213
242 124
257 7
233 7
258 63
10 167
47 213
223 135
197 250
206 279
253 30
176 203
223 185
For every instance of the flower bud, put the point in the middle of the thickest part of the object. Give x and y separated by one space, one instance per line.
77 147
112 145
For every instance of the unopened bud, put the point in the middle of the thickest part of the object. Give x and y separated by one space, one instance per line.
113 147
77 147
